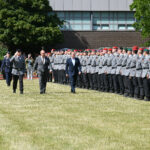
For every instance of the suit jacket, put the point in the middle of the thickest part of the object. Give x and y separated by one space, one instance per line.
71 69
42 67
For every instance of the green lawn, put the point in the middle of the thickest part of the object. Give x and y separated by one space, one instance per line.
59 120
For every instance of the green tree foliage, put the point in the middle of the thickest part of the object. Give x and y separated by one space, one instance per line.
27 24
142 15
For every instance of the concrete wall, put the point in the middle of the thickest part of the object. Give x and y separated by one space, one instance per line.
90 5
97 39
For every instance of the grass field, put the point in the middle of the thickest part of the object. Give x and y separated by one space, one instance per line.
59 120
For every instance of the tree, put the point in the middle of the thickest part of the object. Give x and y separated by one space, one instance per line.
28 24
142 15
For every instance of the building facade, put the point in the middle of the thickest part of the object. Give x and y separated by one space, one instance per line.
96 23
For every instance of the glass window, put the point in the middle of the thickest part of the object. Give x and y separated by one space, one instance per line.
104 20
96 14
105 14
130 20
77 27
77 14
77 21
96 27
122 20
105 27
86 27
122 27
96 21
86 20
86 15
113 27
130 27
60 14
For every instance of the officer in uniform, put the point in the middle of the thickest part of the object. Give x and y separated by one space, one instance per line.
7 67
18 70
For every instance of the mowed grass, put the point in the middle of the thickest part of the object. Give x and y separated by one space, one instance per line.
59 120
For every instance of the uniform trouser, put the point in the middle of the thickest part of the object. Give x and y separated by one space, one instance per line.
136 86
102 82
73 80
42 81
15 81
63 76
146 85
85 80
90 80
49 77
8 78
79 81
121 84
55 76
130 86
115 83
141 88
99 82
94 80
125 82
111 88
30 73
106 82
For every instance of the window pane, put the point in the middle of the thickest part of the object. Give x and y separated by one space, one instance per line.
96 27
96 14
86 27
105 14
60 14
130 27
105 27
130 14
122 20
77 14
96 21
105 20
86 21
77 27
121 27
130 20
86 15
121 15
113 27
77 21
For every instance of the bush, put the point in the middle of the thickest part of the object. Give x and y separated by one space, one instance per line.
3 52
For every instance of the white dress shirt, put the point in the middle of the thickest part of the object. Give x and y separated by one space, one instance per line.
73 61
43 59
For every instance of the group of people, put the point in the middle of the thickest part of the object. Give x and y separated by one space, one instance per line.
124 71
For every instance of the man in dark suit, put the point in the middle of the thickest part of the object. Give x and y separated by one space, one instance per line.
43 67
7 68
73 69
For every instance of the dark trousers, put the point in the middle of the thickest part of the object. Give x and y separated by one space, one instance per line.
130 86
85 80
49 77
42 82
94 81
106 83
102 82
55 76
121 84
146 85
136 87
90 80
111 88
73 79
115 83
141 88
8 78
125 82
15 81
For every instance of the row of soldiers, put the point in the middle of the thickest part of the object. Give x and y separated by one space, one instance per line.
125 71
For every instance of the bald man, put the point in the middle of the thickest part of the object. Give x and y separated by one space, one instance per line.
43 66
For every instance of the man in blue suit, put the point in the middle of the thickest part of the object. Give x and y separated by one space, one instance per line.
7 67
73 69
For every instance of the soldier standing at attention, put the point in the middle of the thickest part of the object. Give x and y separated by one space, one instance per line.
18 70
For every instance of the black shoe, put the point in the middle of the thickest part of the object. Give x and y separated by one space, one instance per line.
21 92
41 92
14 91
147 99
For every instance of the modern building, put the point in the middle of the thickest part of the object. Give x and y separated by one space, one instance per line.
96 23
